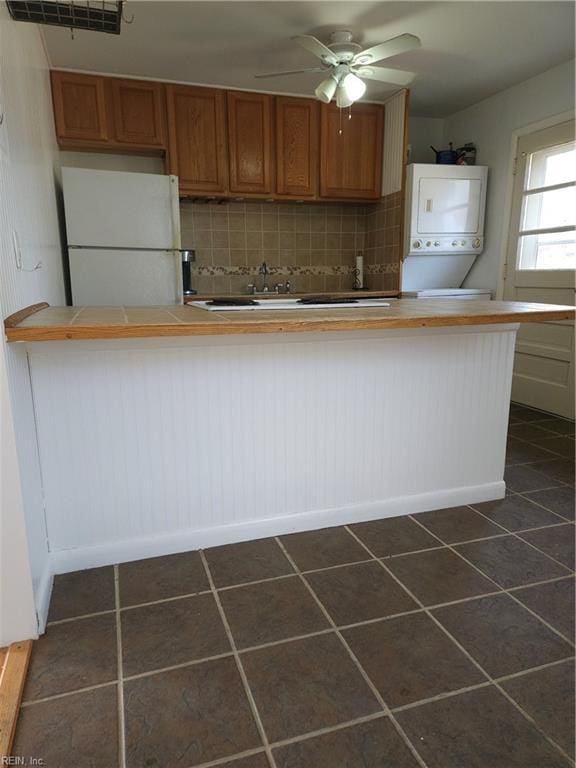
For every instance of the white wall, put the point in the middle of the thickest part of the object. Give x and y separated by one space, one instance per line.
490 124
17 617
422 132
29 165
103 161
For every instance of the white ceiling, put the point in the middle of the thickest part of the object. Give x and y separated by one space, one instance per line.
470 50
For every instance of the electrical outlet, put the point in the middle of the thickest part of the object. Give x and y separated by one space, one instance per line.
17 251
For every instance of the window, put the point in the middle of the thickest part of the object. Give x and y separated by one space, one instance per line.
547 237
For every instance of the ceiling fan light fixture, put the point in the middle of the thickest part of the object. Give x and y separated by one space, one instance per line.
326 90
343 100
355 87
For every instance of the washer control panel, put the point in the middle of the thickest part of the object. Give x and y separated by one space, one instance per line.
452 244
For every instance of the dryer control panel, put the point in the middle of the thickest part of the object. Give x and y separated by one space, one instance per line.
454 244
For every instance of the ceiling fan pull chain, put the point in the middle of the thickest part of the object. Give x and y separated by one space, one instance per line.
340 121
350 112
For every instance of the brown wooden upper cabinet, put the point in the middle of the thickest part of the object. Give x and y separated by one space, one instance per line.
92 111
351 151
139 112
297 137
197 138
250 143
227 143
80 109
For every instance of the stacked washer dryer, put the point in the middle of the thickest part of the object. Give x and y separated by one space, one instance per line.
444 230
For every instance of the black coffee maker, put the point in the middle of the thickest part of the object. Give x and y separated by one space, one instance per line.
188 256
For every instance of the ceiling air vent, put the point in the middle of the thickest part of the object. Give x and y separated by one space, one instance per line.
96 15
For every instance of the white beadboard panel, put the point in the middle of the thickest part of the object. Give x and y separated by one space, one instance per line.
28 216
393 154
66 560
139 441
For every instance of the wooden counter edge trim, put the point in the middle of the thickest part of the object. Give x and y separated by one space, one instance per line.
17 317
133 331
11 689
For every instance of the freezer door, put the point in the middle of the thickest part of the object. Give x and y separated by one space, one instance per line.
111 209
132 278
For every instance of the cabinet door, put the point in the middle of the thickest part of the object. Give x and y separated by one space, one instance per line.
351 151
296 146
250 142
139 112
197 138
79 107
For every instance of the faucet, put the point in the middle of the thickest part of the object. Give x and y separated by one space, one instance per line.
264 272
278 287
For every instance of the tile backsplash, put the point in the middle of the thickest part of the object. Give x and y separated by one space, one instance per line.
312 245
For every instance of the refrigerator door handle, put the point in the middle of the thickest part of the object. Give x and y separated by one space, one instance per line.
176 236
175 211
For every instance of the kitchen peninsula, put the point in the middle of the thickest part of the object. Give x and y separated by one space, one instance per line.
163 429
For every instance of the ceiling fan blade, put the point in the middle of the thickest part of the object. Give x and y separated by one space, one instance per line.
385 75
291 72
391 47
317 48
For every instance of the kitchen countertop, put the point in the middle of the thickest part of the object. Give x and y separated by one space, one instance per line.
41 322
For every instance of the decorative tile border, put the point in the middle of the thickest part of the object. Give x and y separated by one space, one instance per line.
322 269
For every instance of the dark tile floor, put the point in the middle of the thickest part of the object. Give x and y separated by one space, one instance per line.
440 640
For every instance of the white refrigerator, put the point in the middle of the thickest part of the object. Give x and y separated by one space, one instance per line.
123 233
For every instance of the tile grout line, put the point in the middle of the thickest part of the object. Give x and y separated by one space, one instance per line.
335 629
474 506
166 599
229 759
523 494
486 684
44 699
329 729
294 740
182 665
239 665
558 484
517 535
121 720
80 617
503 589
547 431
466 653
571 576
376 693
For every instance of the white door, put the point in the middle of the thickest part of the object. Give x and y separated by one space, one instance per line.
541 265
102 278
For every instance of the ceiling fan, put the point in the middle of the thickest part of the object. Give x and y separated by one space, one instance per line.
346 63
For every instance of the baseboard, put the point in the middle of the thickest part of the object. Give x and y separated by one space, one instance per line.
43 594
64 561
